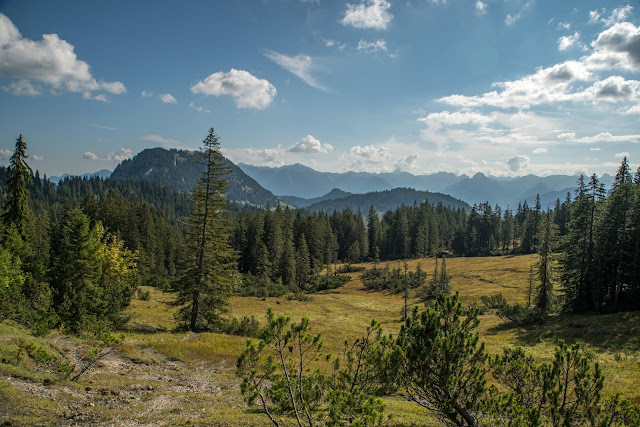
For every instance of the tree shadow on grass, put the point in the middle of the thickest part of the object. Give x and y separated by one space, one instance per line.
610 332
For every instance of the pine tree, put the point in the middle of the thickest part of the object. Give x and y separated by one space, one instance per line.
303 266
208 274
545 296
19 174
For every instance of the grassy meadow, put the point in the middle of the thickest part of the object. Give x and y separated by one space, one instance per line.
163 376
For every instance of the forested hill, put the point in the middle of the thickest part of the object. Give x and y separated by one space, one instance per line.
177 170
387 200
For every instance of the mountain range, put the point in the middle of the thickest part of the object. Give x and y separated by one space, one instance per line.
303 182
303 187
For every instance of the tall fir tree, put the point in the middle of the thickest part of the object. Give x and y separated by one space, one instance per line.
545 297
209 272
19 174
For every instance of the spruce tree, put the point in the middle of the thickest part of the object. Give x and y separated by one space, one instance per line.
19 174
545 296
208 274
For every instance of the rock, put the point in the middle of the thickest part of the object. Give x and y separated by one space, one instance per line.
88 388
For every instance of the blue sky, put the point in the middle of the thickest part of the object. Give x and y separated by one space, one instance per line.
504 87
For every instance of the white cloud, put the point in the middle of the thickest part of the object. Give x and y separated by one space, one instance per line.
370 154
273 157
299 65
621 155
120 155
616 47
632 110
547 85
247 90
563 26
165 142
594 149
408 162
481 7
103 127
518 163
368 14
511 19
36 157
618 15
565 42
22 88
146 94
51 61
309 144
594 16
167 98
540 150
379 45
445 118
195 107
99 97
4 153
601 137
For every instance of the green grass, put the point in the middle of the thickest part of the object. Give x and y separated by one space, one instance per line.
192 375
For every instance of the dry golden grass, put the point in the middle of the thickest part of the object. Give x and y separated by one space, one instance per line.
159 351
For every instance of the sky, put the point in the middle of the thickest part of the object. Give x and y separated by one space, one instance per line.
503 87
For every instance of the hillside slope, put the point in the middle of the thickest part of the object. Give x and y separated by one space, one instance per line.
177 170
384 201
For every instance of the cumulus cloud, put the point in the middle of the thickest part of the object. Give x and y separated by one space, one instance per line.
309 144
247 90
481 8
635 109
445 118
167 98
50 61
618 15
120 155
272 157
565 42
518 163
408 162
563 25
368 14
547 85
379 45
370 154
146 94
616 47
299 65
195 107
4 153
165 142
22 88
